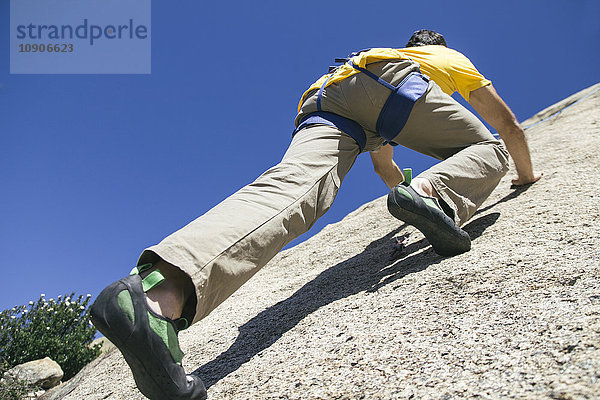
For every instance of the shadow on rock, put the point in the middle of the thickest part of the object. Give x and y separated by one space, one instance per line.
476 227
414 263
512 195
367 271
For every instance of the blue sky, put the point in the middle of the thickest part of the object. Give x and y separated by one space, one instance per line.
94 168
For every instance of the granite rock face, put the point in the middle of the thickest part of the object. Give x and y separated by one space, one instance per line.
105 345
45 373
516 317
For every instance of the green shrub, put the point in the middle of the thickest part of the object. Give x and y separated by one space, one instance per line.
59 329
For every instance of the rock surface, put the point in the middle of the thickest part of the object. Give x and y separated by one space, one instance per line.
334 318
45 373
105 345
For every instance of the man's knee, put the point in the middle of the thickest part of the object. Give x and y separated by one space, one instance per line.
494 155
503 156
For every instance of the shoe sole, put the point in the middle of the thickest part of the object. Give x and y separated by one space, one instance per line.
446 238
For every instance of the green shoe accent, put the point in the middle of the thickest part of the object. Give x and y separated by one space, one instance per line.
403 192
153 279
181 324
407 172
142 268
431 202
126 304
167 333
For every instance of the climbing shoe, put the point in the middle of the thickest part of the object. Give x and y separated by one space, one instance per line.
425 214
147 340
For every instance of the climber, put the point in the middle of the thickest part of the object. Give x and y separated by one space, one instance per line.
375 97
453 72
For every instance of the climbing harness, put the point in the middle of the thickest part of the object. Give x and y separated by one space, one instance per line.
393 115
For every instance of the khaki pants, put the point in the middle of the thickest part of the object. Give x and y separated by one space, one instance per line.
225 247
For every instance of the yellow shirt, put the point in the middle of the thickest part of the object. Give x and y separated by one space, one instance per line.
451 70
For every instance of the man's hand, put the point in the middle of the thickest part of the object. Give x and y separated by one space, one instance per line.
518 181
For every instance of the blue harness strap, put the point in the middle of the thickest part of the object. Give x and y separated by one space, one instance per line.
320 95
399 104
346 125
372 75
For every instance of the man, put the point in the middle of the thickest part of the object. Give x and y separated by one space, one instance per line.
453 72
376 96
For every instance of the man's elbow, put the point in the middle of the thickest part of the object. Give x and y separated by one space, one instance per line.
511 128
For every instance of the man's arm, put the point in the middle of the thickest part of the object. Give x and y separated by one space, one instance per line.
495 112
385 167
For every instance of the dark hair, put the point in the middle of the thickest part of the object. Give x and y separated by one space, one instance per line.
425 37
